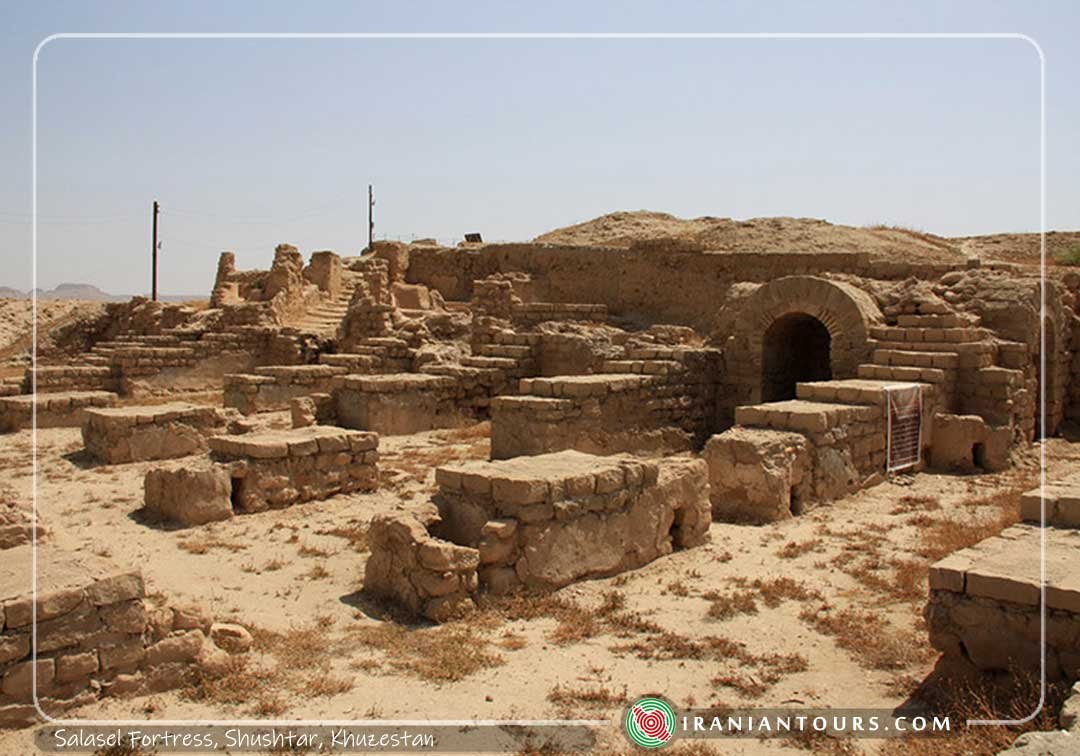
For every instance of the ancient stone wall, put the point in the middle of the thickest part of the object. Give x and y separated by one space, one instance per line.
162 431
277 469
985 600
97 634
271 388
60 410
674 287
400 403
537 523
658 399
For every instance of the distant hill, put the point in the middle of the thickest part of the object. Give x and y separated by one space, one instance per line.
85 293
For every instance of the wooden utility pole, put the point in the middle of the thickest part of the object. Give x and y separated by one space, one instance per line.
370 218
153 283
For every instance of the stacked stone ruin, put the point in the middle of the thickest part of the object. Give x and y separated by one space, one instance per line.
633 394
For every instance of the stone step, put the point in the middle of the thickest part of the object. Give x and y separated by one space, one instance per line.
846 391
504 350
479 374
580 386
647 367
804 416
904 373
941 360
938 335
946 320
970 355
349 360
503 363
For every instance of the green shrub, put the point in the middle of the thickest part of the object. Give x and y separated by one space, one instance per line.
1070 255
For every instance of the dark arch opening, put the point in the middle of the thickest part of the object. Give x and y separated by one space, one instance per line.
795 348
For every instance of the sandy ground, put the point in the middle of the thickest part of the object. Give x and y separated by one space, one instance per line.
821 610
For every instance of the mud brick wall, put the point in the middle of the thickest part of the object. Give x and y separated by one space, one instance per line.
493 297
626 280
474 388
507 526
272 387
279 468
398 403
531 313
60 410
131 434
846 442
53 379
1001 396
375 355
758 475
96 635
670 408
365 320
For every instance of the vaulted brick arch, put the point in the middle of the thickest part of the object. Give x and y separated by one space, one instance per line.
802 309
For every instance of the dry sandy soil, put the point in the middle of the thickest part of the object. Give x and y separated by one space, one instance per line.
822 610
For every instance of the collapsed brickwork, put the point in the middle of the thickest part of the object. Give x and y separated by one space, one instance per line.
97 634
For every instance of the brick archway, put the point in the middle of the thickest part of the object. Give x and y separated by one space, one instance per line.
844 311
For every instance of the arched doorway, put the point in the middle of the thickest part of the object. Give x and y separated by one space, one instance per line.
795 347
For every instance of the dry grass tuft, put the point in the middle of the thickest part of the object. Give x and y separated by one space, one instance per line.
874 643
446 653
963 695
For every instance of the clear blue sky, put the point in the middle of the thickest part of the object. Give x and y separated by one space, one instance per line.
251 143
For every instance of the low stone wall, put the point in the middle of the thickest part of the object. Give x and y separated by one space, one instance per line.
967 443
280 468
603 413
97 634
60 410
758 475
846 442
398 403
273 387
984 600
531 313
162 431
537 523
58 378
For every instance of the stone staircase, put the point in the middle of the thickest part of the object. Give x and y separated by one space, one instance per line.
845 426
377 354
931 349
324 318
515 354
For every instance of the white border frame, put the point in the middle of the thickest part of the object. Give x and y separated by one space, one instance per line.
527 35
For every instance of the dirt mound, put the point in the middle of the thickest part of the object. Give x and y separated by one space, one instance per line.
16 317
626 229
1062 247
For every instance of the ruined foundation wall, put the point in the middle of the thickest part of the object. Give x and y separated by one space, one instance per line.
97 634
672 287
